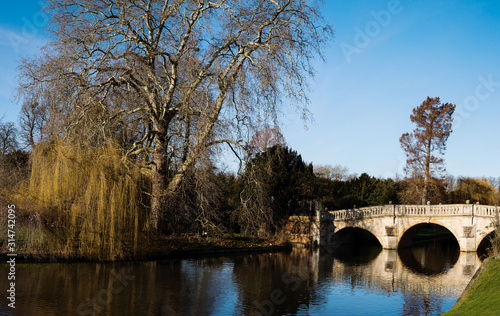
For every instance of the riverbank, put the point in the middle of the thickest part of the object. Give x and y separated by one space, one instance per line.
482 295
170 247
31 237
187 246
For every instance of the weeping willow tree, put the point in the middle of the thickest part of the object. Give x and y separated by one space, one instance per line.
92 202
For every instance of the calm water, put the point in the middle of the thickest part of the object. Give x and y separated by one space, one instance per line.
423 280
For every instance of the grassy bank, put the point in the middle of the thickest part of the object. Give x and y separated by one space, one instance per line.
483 295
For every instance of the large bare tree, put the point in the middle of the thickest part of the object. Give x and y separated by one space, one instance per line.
188 74
426 145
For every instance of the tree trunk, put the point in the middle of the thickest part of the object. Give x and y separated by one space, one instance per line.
159 182
425 193
427 171
200 144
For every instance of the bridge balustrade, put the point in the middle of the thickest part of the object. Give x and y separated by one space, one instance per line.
415 210
485 210
435 210
411 210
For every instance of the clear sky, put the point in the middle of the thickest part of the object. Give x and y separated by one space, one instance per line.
386 58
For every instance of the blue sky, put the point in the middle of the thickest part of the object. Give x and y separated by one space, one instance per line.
363 96
385 59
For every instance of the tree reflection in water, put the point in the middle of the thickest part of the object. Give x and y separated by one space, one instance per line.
346 281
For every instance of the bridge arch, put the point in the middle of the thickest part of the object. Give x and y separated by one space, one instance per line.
405 238
345 234
486 242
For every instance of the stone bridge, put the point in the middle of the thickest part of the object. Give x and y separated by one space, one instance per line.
395 225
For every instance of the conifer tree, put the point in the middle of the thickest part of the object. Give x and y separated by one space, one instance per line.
425 146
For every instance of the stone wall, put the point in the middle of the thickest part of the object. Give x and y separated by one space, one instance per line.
303 230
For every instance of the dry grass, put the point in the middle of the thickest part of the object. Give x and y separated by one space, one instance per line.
494 251
90 202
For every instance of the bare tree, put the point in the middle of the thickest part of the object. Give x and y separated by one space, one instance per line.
265 138
336 172
494 181
13 161
191 74
450 182
434 121
32 122
8 139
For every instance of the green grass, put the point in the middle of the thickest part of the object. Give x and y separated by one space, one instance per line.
483 296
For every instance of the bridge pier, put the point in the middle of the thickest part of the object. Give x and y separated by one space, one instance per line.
389 242
467 244
389 239
468 240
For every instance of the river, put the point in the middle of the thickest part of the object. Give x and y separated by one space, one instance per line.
422 280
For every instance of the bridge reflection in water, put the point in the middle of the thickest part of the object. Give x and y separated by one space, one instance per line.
408 272
428 278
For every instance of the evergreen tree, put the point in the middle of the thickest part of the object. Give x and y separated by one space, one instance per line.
433 127
276 184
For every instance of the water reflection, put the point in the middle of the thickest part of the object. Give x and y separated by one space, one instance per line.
434 257
354 255
277 284
362 281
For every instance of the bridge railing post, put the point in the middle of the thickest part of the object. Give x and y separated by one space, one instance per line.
467 209
497 217
472 219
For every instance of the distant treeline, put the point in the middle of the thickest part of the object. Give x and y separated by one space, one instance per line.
96 204
287 186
